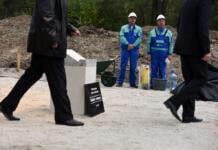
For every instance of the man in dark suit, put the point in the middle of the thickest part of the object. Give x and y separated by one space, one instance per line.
48 43
193 46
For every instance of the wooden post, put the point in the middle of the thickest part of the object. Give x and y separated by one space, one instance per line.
18 59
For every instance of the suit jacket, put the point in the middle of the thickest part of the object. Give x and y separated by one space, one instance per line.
49 26
193 32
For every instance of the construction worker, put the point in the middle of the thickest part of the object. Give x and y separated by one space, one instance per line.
130 40
159 47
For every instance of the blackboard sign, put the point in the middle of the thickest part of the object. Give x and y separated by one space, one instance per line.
93 99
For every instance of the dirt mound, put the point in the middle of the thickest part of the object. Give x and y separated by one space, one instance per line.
94 43
13 33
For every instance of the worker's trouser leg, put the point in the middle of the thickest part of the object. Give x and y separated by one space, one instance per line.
123 63
158 64
162 65
133 66
154 65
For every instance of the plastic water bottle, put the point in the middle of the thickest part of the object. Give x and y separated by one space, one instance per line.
172 80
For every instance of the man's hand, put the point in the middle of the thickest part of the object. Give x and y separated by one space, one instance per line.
76 33
206 57
55 45
130 46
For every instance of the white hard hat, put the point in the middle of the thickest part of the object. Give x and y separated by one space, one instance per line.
132 14
161 17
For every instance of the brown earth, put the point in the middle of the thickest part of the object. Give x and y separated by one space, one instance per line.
94 43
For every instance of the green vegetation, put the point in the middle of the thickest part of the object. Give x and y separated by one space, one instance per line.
108 14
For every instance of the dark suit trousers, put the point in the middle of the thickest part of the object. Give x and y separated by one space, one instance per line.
56 77
195 75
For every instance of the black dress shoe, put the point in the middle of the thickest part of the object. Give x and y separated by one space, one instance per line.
70 122
190 120
172 109
8 115
133 86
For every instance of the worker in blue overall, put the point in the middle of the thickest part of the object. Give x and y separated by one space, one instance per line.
160 47
130 40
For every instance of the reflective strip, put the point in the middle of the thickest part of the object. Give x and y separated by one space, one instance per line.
159 49
160 41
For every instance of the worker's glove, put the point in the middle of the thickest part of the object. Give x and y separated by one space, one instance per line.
130 47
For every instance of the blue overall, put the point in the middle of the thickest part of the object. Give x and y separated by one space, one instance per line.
131 35
159 51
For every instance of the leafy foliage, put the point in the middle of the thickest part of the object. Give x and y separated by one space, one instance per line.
109 14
